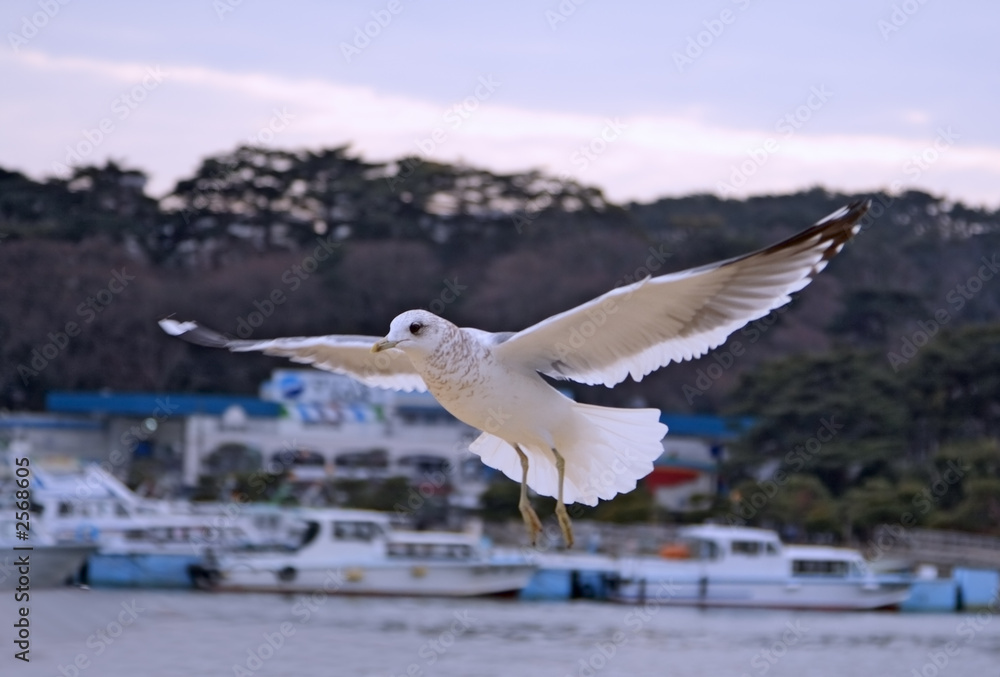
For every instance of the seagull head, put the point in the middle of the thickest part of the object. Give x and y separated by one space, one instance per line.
417 330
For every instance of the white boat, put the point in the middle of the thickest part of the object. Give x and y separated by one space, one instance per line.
49 564
359 552
714 565
139 542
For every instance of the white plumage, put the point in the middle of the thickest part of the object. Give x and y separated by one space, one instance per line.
491 380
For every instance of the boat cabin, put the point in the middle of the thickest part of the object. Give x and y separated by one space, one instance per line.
716 542
351 533
814 561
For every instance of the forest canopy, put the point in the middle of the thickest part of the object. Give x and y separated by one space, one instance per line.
898 341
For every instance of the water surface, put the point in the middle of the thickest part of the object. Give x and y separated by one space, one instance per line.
164 634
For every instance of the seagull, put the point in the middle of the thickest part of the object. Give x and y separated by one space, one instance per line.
494 382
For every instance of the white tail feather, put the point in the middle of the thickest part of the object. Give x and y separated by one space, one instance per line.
607 451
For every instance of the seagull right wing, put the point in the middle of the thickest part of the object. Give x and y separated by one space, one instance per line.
636 329
349 355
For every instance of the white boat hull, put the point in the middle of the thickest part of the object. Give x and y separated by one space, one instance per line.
790 593
49 565
403 578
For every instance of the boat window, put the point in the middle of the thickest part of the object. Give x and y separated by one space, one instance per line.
772 549
708 550
746 547
808 567
120 510
65 508
430 550
309 533
354 531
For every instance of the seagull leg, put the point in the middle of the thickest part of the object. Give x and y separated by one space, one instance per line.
561 514
527 512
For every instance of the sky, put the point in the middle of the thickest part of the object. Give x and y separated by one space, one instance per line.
643 99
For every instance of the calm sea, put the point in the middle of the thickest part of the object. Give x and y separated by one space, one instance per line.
101 633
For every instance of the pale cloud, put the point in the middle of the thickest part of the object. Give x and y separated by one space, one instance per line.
199 111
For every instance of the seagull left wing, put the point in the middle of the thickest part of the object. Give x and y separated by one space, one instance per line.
636 329
350 355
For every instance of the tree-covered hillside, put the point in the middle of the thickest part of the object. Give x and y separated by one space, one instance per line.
896 338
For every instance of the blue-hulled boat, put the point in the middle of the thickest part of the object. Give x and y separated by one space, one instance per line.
139 542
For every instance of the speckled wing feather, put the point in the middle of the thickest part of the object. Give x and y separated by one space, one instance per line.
350 355
634 330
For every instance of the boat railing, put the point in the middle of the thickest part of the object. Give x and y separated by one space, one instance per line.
938 546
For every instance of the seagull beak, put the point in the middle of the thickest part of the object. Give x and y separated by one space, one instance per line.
384 344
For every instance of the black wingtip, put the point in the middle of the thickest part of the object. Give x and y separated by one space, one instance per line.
192 332
848 215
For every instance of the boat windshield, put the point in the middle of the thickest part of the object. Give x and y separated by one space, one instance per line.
355 531
820 567
753 548
691 548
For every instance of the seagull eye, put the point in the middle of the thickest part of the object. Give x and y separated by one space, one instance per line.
415 328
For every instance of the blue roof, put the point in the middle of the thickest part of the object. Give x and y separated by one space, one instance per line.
700 425
160 405
48 422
